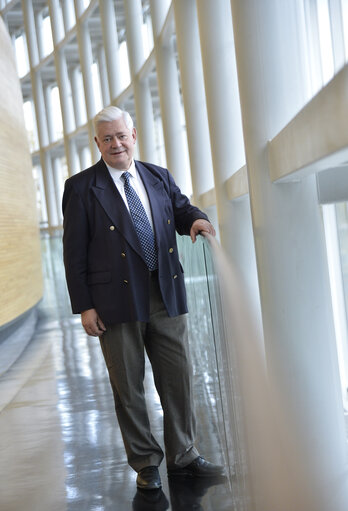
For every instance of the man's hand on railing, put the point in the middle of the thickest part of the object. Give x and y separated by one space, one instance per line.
201 226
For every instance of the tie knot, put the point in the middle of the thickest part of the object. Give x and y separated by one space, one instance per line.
126 176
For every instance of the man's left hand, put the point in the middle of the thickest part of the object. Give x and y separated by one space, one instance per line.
201 226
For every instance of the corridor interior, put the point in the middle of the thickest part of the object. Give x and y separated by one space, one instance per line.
61 445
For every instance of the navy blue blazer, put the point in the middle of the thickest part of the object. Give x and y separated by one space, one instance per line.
104 265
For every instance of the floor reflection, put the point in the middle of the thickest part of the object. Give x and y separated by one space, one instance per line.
64 450
186 494
154 500
32 472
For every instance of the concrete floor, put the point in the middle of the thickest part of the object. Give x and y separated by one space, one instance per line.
61 448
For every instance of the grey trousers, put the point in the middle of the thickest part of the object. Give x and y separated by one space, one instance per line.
166 343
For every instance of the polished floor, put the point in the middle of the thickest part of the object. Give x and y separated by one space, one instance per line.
61 448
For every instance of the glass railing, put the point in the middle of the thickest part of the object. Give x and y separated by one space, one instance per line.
216 384
241 408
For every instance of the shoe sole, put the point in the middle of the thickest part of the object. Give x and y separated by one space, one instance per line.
192 474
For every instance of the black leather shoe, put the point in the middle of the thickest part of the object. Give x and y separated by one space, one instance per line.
199 467
149 478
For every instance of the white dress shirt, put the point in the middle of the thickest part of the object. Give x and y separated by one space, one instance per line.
136 183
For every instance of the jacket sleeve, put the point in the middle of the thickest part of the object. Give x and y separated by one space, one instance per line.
184 212
75 248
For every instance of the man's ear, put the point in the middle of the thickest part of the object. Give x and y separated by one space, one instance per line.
134 134
96 141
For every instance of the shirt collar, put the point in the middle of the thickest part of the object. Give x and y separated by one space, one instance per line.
116 173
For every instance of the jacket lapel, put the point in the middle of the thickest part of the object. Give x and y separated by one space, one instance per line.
111 201
156 194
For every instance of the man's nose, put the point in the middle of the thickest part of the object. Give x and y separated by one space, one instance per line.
116 141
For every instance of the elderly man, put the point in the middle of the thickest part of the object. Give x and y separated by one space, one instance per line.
125 279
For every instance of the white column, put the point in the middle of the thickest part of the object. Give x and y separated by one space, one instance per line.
30 32
86 60
103 77
85 158
109 26
64 92
39 34
56 21
65 102
61 67
40 111
43 209
43 142
192 83
290 250
226 140
142 93
58 188
51 200
76 89
168 86
62 75
49 113
221 86
68 14
41 120
74 163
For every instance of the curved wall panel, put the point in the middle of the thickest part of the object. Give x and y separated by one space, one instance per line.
20 259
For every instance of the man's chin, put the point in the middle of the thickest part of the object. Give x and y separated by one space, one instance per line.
118 162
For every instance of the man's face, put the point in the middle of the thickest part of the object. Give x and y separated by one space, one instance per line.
116 143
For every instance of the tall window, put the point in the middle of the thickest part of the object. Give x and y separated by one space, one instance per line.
345 25
325 40
320 18
342 230
21 52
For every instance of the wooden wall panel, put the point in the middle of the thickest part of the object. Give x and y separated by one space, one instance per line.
20 259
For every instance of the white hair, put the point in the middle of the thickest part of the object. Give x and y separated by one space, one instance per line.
112 113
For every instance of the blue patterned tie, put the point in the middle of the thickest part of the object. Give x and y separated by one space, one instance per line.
141 223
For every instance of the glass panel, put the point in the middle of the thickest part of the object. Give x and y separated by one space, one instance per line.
335 219
216 377
342 227
210 358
